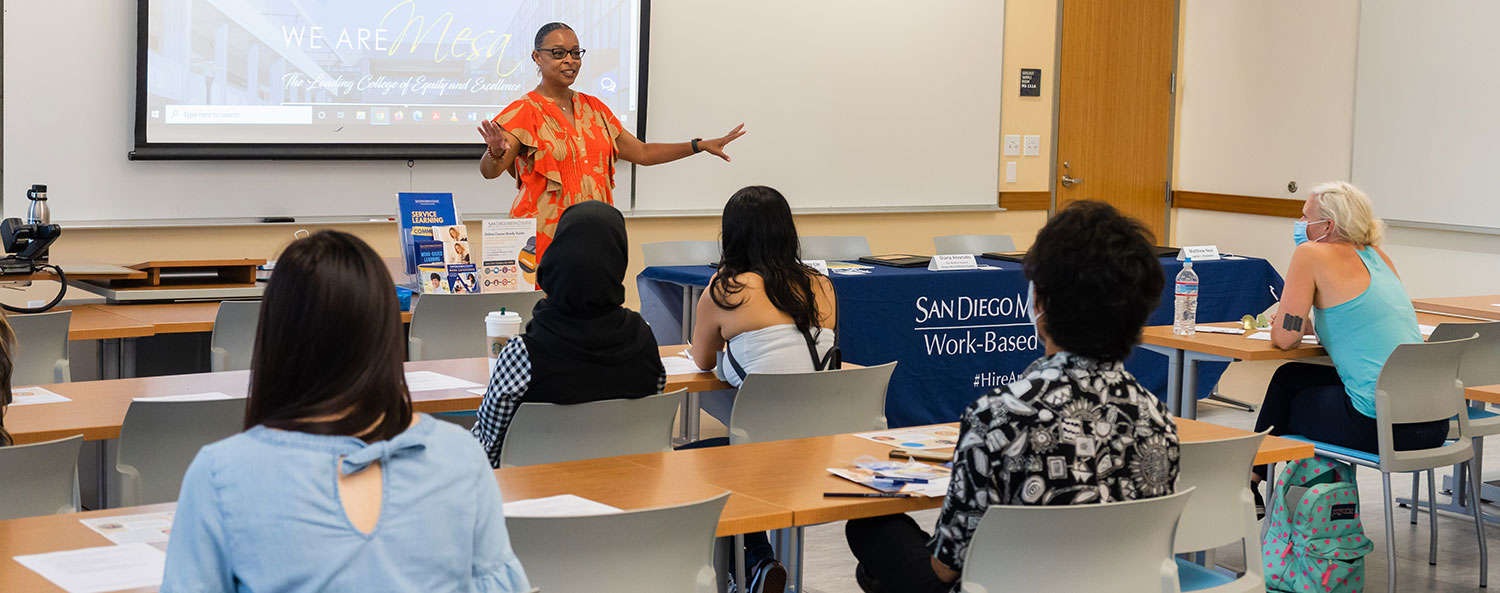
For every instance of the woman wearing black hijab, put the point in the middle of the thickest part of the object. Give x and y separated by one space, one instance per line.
581 344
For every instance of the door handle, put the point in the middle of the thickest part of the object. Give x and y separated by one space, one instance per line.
1070 181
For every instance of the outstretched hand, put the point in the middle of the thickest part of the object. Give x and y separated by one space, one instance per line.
715 146
495 136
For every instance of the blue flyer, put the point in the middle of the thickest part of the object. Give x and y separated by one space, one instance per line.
419 212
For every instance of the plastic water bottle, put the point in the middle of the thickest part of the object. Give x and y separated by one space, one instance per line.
1185 310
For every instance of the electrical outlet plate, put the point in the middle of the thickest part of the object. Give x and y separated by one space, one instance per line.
1033 145
1012 145
1010 172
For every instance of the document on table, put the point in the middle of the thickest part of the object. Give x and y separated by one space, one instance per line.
1214 329
1266 336
677 365
1426 329
430 381
25 396
562 505
145 528
915 439
96 570
189 397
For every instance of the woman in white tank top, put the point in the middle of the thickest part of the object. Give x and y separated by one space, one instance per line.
774 314
763 312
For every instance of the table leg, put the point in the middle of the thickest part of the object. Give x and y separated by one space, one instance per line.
1189 387
102 490
739 562
799 559
687 314
1174 376
127 358
109 359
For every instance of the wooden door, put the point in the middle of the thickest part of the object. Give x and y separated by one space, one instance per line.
1115 106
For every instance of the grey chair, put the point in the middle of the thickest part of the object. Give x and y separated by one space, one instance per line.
660 550
1221 512
447 326
975 244
1128 547
1419 383
1480 366
774 407
39 478
233 339
834 248
680 253
41 348
552 433
159 439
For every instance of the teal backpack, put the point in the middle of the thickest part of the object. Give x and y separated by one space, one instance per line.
1315 541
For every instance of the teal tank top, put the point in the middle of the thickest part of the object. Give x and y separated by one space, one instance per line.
1361 333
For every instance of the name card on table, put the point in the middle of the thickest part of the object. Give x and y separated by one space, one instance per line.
952 261
821 265
1199 253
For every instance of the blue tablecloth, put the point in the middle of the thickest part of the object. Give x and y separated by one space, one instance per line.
959 334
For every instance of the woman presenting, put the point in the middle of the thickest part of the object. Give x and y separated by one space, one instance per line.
561 145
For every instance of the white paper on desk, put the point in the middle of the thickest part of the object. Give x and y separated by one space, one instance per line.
562 505
938 487
24 396
915 439
1426 329
430 381
144 528
189 397
1214 329
1266 336
677 365
479 391
95 570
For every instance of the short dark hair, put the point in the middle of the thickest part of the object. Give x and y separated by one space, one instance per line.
329 349
547 29
1097 280
7 366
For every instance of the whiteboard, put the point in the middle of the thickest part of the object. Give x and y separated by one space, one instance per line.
846 104
1427 111
69 117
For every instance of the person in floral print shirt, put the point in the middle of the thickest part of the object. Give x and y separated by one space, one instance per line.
1076 428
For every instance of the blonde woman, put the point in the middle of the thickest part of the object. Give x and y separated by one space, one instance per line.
1339 271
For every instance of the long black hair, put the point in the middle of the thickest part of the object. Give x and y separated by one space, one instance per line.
7 365
329 350
758 235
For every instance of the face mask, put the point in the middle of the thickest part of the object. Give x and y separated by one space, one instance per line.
1299 232
1031 313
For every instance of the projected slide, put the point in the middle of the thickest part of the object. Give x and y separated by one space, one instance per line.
364 71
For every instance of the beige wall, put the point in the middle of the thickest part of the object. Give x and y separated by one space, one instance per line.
1030 42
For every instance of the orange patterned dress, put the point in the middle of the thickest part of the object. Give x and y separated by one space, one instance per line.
560 165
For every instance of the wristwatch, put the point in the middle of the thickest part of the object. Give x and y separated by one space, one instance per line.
697 150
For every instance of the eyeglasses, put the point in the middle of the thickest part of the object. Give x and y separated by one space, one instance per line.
560 53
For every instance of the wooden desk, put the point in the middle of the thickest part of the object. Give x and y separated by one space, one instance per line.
77 271
91 323
98 407
53 533
179 318
629 486
1483 307
1185 352
794 474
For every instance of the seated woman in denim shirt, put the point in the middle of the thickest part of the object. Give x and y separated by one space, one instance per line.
336 485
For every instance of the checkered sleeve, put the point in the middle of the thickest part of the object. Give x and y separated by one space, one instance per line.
661 382
508 384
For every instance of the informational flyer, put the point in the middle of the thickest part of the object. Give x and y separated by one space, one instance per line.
506 266
915 439
128 529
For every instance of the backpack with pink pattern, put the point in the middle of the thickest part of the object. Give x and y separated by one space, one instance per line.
1315 542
